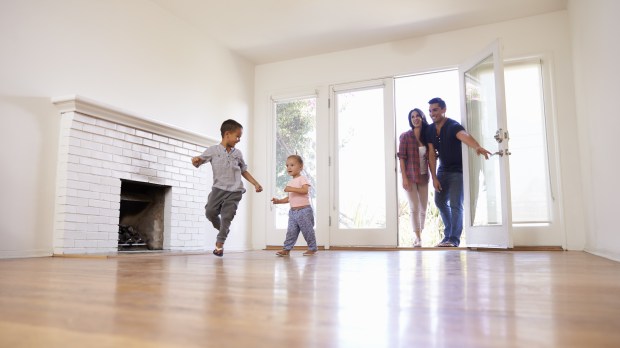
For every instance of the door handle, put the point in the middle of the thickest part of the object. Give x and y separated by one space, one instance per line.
502 153
498 136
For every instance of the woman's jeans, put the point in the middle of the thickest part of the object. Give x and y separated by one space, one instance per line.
450 204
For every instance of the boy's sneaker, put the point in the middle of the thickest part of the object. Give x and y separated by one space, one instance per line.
219 249
309 253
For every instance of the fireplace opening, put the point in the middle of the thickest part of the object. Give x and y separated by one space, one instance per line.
141 220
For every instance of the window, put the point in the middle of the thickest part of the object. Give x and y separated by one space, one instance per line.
529 172
295 134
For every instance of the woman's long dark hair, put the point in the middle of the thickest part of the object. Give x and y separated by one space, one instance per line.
424 124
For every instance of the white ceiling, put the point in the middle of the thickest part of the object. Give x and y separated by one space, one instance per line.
265 31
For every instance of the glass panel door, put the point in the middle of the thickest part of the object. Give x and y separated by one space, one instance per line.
363 190
487 182
481 121
295 134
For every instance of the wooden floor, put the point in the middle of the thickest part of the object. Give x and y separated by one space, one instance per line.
451 298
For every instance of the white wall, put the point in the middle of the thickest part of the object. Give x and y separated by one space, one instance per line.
128 54
544 34
596 47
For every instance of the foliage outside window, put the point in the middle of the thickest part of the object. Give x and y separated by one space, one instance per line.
295 135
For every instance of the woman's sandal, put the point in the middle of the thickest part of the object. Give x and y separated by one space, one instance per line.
218 252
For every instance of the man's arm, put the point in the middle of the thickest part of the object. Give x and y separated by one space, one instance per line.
432 163
468 140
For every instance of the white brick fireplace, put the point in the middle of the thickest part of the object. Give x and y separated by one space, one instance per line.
99 146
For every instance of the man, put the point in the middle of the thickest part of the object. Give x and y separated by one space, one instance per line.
444 139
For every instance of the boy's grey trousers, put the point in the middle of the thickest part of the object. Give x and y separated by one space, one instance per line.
221 209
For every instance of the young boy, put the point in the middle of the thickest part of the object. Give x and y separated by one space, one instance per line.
228 168
301 216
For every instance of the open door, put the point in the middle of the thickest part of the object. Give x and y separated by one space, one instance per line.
488 220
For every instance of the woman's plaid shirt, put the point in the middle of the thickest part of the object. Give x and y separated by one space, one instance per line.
408 150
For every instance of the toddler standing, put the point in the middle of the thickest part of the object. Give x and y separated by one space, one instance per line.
301 215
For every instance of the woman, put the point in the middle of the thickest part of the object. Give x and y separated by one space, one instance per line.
414 168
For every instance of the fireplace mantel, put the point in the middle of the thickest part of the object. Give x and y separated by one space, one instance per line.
101 146
86 106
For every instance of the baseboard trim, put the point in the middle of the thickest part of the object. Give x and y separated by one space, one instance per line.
22 254
607 255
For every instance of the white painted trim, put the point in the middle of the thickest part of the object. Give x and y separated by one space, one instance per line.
20 254
608 254
82 105
291 96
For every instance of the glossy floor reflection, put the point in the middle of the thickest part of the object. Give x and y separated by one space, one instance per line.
334 299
